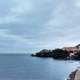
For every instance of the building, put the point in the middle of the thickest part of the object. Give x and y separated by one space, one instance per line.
72 49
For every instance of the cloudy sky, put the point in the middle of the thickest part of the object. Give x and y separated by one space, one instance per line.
31 25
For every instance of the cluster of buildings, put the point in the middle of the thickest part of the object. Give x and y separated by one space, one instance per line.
72 49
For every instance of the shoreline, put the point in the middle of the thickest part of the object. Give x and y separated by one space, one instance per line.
75 75
65 53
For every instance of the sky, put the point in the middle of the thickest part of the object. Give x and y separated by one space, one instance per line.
27 26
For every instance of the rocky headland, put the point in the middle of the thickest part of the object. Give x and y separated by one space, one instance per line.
65 53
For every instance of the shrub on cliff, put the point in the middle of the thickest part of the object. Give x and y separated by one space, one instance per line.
77 56
44 53
60 54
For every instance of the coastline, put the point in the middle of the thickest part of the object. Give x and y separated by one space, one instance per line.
66 53
75 75
72 75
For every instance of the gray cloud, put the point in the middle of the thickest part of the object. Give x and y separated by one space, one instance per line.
31 25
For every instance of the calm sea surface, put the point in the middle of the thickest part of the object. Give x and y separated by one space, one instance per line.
25 67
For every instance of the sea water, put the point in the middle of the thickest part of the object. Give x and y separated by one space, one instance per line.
26 67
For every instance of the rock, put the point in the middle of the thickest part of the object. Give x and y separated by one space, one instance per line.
60 54
56 54
72 75
33 54
44 53
76 56
66 53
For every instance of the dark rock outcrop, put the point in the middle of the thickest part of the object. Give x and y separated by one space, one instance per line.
72 75
76 56
56 54
44 53
66 53
60 54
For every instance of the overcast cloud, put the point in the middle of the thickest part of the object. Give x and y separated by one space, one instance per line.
28 26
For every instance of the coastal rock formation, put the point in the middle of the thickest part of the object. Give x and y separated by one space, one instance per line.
43 53
60 54
75 75
72 75
72 53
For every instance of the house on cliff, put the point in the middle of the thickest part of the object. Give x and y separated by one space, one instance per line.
72 50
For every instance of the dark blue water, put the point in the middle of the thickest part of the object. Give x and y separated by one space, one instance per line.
25 67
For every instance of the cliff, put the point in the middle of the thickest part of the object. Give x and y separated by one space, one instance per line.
75 75
72 53
72 75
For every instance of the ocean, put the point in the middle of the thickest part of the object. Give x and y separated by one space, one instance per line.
26 67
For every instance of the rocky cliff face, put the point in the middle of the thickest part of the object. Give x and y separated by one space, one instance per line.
44 53
72 53
73 50
72 75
